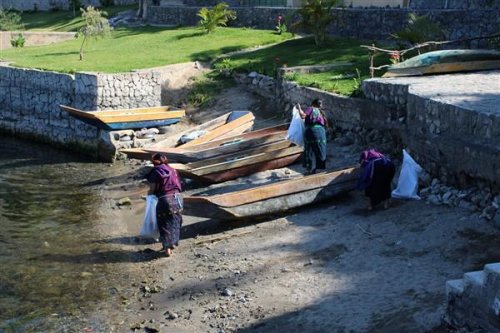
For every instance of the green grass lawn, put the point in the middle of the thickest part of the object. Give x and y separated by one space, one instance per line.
139 48
62 20
303 52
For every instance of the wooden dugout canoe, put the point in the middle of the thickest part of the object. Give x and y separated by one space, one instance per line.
227 125
243 163
113 120
224 146
273 198
446 61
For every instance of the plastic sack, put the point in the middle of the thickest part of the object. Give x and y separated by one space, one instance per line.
150 226
191 136
296 130
408 179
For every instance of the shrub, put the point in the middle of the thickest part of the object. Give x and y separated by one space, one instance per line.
219 15
18 41
10 20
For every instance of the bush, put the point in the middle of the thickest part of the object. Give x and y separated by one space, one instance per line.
420 29
18 41
10 21
316 16
219 15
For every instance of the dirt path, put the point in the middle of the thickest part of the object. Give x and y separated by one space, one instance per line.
327 268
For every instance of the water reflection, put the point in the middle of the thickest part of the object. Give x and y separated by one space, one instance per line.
46 213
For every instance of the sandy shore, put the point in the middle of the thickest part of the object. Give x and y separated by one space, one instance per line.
333 267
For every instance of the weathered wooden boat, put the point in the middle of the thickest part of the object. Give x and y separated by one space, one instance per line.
226 125
232 144
446 61
273 198
225 167
113 120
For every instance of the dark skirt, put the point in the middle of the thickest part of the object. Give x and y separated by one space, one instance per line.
315 148
379 189
169 224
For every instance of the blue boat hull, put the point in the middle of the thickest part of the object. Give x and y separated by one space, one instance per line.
129 125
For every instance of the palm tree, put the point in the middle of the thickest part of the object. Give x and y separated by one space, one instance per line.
316 16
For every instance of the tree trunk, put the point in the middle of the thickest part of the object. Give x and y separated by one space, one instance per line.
81 47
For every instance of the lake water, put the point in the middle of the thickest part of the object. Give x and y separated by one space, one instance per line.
50 278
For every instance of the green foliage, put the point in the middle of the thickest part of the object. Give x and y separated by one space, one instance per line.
420 29
281 25
224 66
315 17
10 20
357 87
219 15
96 25
204 89
18 41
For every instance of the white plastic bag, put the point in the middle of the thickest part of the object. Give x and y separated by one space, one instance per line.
149 226
408 179
191 136
296 130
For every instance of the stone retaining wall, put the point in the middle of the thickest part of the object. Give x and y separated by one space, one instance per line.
459 146
30 99
377 23
34 38
25 5
454 4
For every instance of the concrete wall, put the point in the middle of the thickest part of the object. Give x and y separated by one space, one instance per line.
376 23
25 5
34 38
474 300
30 99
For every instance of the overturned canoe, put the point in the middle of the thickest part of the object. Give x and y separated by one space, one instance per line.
273 198
243 163
232 144
227 125
113 120
446 61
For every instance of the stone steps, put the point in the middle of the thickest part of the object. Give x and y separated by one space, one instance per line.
474 300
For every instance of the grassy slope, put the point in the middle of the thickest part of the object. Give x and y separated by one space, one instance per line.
303 52
62 20
139 48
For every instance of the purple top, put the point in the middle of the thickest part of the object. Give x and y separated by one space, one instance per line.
313 117
367 160
167 179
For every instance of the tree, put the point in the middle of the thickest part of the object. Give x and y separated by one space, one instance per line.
96 25
217 16
75 4
420 29
315 17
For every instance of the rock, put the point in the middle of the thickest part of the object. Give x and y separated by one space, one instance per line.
227 292
170 315
496 219
124 202
434 199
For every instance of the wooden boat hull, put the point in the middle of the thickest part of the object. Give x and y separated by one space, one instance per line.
232 166
113 120
224 146
273 198
446 61
229 124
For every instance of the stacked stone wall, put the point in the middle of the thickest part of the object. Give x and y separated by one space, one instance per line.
30 99
454 4
458 145
44 5
375 23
